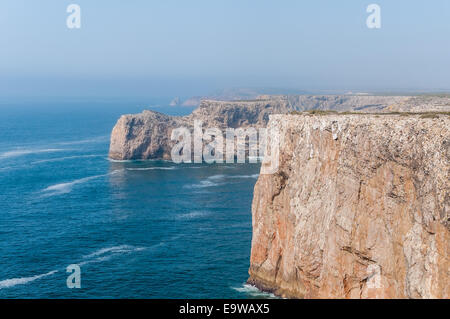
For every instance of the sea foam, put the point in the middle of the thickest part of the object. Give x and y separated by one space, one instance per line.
59 159
245 176
254 292
193 215
22 152
97 139
151 168
8 283
65 188
103 254
112 250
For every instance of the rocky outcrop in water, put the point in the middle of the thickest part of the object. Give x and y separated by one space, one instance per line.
359 208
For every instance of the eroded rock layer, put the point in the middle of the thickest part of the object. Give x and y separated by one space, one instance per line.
359 208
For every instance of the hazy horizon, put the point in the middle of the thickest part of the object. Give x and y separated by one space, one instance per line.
175 48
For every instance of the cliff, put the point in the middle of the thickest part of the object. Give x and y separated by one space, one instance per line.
359 208
147 135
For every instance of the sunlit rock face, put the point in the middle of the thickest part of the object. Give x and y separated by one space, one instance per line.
359 208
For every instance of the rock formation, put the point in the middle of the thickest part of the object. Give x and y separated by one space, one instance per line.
359 208
147 135
143 136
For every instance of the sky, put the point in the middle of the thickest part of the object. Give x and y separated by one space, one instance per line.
179 47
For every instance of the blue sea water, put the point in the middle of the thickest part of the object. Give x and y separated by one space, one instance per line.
137 229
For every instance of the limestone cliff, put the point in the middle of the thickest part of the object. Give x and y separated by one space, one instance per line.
147 135
359 208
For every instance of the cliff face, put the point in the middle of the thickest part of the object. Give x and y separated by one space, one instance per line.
147 135
359 208
143 136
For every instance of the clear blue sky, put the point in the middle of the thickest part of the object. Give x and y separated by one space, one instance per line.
179 47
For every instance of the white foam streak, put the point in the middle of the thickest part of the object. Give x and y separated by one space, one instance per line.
120 161
211 181
217 180
59 159
22 152
216 177
7 283
193 215
96 260
114 249
202 184
245 176
98 256
64 188
151 168
254 292
86 141
105 254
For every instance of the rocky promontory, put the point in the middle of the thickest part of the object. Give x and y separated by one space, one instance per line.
359 208
147 135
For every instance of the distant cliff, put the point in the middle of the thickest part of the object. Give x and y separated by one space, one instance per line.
147 135
359 208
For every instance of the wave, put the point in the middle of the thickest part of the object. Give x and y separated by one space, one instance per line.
121 161
59 159
151 168
100 255
203 184
23 152
7 168
8 283
105 254
245 176
254 292
160 168
96 260
114 250
217 180
138 160
193 215
64 188
97 139
216 177
211 181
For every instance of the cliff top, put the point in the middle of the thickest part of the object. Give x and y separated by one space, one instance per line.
427 114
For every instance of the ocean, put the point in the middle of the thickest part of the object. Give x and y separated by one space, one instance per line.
137 229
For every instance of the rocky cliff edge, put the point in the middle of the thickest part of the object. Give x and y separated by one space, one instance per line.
147 135
359 208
